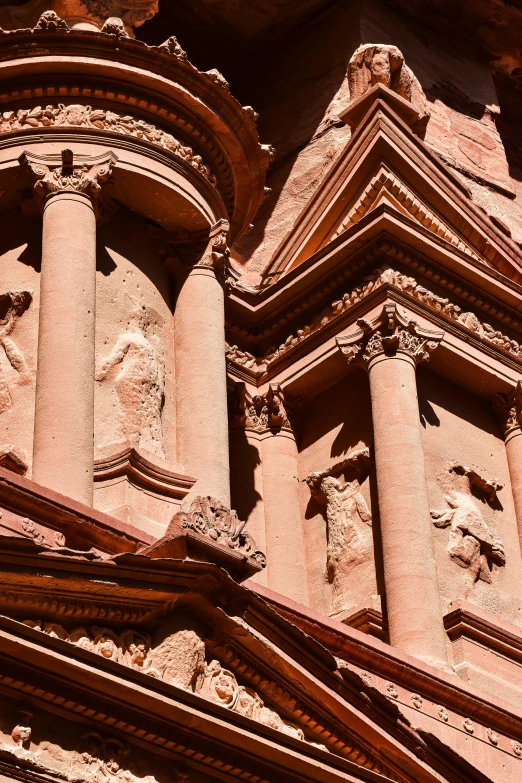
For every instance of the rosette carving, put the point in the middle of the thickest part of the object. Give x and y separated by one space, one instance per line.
391 334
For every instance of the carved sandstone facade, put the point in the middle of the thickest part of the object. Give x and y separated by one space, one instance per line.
260 403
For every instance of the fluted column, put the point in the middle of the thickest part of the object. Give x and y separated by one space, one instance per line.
509 410
63 447
390 349
202 416
267 418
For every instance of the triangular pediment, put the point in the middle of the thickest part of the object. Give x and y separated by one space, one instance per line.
385 163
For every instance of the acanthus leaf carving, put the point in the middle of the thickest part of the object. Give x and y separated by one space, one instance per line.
52 174
390 334
50 21
508 408
373 64
78 115
473 544
262 412
133 13
348 520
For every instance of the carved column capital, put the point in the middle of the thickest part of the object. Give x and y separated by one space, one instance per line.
191 249
67 173
262 412
508 408
390 335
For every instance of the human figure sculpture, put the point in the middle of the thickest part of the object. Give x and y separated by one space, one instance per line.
373 64
12 306
138 372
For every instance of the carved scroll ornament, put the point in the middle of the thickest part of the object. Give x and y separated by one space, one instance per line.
79 116
391 334
472 544
82 174
373 64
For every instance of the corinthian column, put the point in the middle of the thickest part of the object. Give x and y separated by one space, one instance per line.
509 410
202 416
390 350
268 424
63 448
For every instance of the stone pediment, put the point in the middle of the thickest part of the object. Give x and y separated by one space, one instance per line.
385 163
209 674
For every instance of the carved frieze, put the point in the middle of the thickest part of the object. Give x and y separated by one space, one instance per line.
53 174
13 305
473 543
261 412
132 12
136 368
373 64
391 334
348 518
80 116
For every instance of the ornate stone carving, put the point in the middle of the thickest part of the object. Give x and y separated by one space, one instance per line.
242 358
12 306
261 412
67 173
218 79
472 544
391 334
133 13
212 520
50 20
136 368
508 408
348 518
114 26
373 64
77 115
172 47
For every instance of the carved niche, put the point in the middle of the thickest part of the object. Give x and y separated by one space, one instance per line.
12 306
350 541
136 368
474 543
177 655
373 64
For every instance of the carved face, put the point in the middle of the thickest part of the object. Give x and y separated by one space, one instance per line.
380 67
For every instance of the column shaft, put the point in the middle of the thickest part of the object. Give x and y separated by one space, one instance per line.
285 547
412 592
514 457
64 408
201 383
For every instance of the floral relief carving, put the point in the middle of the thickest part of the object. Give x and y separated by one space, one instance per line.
508 408
261 412
390 334
67 173
77 115
473 544
384 275
132 12
136 368
13 305
348 518
178 658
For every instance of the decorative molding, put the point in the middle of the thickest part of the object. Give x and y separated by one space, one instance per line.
14 304
349 522
83 174
386 182
79 116
472 544
16 602
373 64
384 276
390 334
261 412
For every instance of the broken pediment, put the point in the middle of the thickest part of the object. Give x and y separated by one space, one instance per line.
382 171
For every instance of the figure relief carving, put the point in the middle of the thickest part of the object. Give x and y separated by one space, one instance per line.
373 64
78 115
349 521
211 519
262 412
508 408
391 334
474 544
136 367
175 655
12 306
53 174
